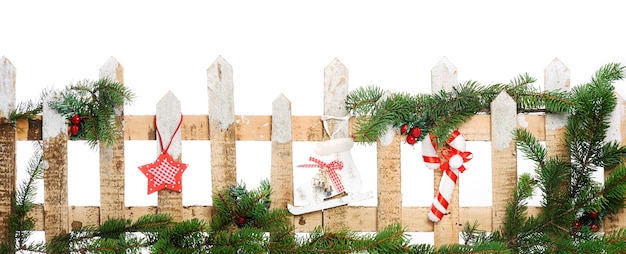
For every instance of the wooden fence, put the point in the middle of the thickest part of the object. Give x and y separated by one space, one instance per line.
281 129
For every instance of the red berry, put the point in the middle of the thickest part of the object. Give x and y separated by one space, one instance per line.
593 215
240 221
411 139
76 119
404 128
577 224
594 227
74 129
416 132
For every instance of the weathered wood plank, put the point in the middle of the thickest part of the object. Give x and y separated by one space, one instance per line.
335 92
613 222
281 179
168 118
258 128
55 137
557 76
7 148
444 76
503 155
389 177
222 124
112 166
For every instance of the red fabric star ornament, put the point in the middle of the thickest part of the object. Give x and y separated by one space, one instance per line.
164 173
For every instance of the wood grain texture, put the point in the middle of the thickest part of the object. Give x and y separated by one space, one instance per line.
168 116
112 162
222 128
503 155
8 171
335 92
281 180
389 177
444 77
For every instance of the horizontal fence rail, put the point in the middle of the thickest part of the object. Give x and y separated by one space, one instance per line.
223 128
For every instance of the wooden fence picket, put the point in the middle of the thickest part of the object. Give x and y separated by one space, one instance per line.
503 155
335 91
281 180
557 77
7 146
168 117
55 136
222 124
444 76
112 165
389 178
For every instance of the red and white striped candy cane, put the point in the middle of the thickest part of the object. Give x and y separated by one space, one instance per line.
455 155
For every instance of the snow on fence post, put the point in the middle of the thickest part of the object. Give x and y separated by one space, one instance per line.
55 206
335 92
281 180
503 155
444 76
222 124
168 118
556 76
389 177
7 147
112 166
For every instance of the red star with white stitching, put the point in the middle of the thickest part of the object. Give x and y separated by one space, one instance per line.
164 173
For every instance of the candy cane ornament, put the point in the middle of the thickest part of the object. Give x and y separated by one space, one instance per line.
455 155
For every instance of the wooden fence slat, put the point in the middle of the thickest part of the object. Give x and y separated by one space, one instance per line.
281 179
7 147
613 222
112 166
221 124
444 76
503 155
557 76
54 135
389 177
168 115
335 92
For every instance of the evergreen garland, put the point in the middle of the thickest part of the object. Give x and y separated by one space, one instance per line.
441 113
89 105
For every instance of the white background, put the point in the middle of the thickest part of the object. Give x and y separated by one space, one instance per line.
283 47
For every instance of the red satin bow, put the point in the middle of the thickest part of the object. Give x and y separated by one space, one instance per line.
332 167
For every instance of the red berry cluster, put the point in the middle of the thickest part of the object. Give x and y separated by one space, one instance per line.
413 134
75 125
590 219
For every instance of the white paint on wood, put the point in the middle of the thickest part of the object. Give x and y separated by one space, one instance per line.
113 70
614 133
556 77
53 123
281 120
335 92
168 116
503 120
521 120
221 97
7 87
444 76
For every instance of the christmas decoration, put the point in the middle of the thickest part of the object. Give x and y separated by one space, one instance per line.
337 181
454 155
89 107
239 224
164 172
